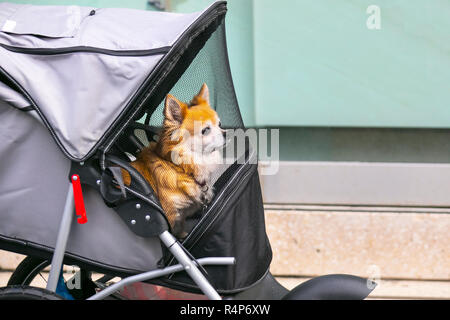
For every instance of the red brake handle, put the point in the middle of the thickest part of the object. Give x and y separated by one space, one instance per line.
78 197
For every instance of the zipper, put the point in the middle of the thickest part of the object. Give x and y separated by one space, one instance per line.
75 49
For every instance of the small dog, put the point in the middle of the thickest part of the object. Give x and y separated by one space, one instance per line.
179 165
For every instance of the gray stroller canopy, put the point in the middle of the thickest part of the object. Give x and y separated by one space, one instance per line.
81 68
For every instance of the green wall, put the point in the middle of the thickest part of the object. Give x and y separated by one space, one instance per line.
317 63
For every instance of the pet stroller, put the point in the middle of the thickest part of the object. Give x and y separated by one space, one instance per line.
81 93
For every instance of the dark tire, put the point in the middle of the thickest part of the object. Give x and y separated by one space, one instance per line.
30 267
27 270
27 293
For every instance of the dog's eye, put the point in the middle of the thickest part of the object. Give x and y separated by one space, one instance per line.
206 130
220 124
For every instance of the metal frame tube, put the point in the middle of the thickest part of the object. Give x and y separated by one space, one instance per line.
61 241
189 266
158 273
185 262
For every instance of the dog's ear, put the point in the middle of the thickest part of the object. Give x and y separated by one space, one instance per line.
174 109
202 96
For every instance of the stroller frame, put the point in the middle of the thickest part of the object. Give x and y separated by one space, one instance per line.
177 250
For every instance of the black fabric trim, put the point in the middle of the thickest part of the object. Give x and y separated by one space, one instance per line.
26 109
38 250
68 50
6 79
15 84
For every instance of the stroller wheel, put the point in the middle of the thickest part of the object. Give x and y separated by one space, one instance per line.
33 271
27 293
27 270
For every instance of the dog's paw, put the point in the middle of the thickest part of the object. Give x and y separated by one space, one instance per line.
182 235
207 195
178 229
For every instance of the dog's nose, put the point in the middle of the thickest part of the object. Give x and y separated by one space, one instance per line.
224 133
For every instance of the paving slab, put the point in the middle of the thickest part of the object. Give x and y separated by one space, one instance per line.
389 245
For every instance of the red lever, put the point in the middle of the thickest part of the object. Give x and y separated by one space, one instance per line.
78 197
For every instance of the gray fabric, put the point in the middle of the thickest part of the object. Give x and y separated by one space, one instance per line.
21 19
80 94
33 186
12 97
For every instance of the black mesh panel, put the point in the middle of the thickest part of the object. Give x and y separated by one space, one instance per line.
210 66
233 222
